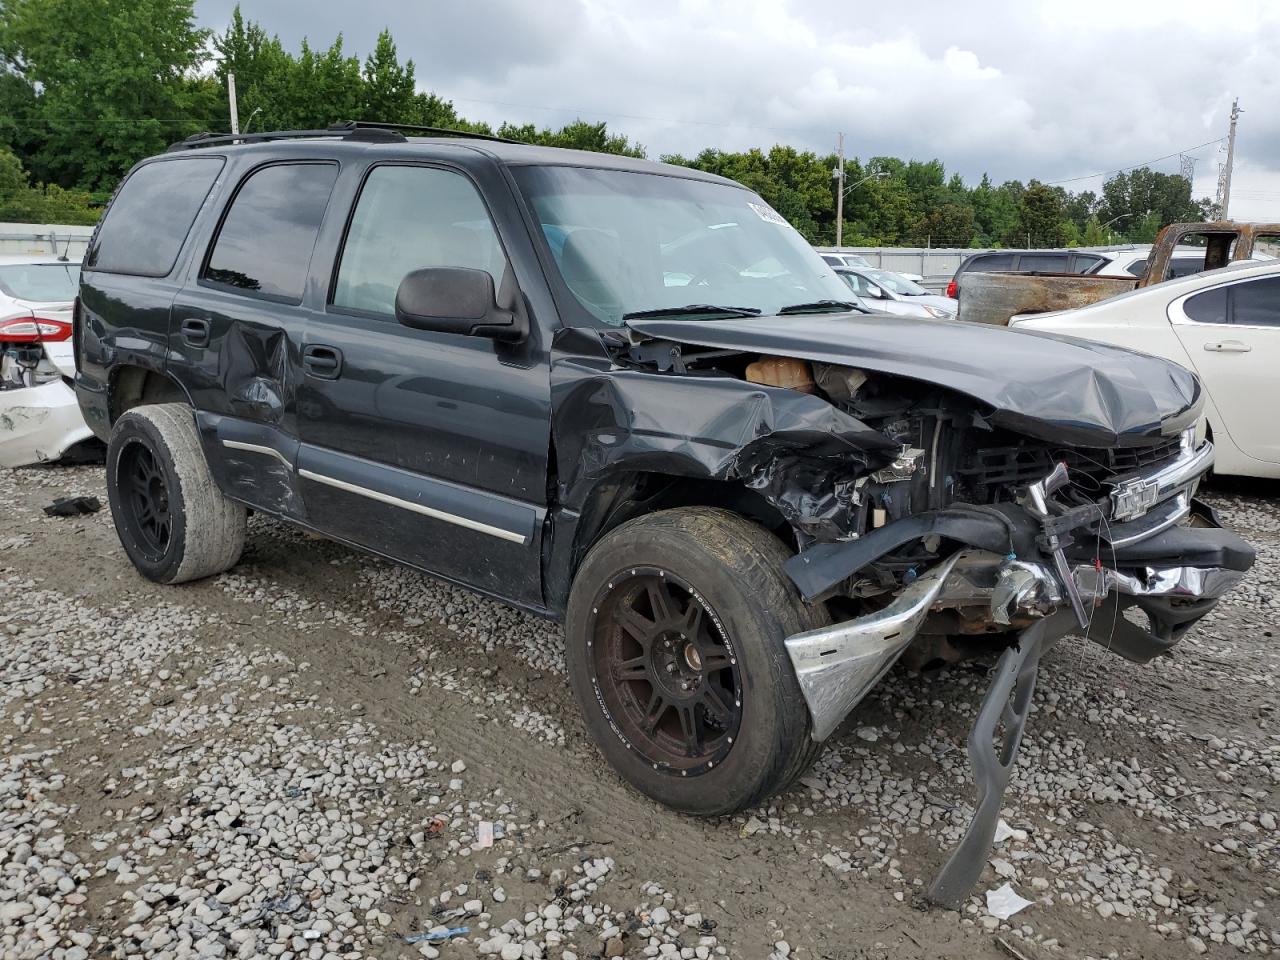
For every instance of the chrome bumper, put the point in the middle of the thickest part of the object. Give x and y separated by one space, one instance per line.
837 666
1131 498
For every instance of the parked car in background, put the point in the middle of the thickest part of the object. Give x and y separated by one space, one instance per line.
1132 261
855 261
39 417
1223 324
886 292
1026 261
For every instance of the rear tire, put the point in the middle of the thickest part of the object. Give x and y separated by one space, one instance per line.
172 520
674 644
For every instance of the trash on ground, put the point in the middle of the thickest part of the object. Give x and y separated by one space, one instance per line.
484 834
441 933
1004 832
72 506
1004 902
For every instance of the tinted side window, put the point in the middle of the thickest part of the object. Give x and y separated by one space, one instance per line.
408 218
1207 307
1256 303
151 215
991 263
1084 262
1044 262
1138 267
266 239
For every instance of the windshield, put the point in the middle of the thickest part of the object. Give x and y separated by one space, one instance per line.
895 283
47 282
637 242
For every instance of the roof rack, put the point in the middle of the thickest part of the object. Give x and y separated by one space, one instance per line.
358 130
434 131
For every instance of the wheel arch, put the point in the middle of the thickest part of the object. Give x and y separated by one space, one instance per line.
623 495
131 385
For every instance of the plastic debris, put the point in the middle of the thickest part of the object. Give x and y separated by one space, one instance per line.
72 506
1004 832
441 933
484 835
1004 902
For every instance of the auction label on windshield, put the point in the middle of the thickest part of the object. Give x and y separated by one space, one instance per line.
766 212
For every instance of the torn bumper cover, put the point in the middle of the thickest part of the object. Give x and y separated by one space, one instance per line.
1010 567
39 424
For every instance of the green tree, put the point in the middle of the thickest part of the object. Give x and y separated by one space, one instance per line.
114 81
388 90
1040 219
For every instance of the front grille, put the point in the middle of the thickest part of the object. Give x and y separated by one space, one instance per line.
1091 470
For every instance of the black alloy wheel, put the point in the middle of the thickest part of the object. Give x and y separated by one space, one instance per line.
144 490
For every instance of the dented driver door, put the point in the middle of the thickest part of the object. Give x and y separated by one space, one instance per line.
236 329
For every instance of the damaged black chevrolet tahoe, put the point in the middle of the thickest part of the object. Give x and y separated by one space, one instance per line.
630 397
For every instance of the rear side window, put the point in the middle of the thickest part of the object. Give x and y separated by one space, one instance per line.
1138 267
1185 266
150 217
992 263
409 218
1256 303
265 242
1207 307
1084 262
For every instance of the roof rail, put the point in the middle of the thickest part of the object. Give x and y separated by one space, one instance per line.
434 131
346 130
359 130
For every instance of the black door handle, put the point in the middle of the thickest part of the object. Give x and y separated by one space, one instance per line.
324 363
195 332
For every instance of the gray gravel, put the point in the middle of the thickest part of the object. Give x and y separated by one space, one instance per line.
321 755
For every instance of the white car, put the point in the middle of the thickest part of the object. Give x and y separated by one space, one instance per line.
893 293
40 419
1224 325
1131 261
855 261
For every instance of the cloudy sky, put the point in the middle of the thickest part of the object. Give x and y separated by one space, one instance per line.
1052 90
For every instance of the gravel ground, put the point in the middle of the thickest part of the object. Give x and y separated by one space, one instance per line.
321 755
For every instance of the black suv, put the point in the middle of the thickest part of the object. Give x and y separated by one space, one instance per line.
1026 261
629 396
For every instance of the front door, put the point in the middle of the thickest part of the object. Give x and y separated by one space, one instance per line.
1232 334
431 448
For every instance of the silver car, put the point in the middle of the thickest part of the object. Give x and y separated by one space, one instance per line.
888 292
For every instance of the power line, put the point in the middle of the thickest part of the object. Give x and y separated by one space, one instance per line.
1145 163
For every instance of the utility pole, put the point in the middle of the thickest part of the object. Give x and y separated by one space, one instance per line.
1224 173
840 191
231 96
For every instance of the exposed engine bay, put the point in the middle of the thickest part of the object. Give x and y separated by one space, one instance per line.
929 519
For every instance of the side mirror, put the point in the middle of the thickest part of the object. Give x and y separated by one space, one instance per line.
876 292
458 300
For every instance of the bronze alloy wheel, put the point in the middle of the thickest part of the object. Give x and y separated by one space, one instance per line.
664 671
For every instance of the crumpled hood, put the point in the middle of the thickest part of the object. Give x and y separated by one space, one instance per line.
1049 386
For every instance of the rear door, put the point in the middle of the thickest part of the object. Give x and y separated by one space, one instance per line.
427 447
237 327
1232 334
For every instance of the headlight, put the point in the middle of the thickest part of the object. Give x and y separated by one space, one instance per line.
939 314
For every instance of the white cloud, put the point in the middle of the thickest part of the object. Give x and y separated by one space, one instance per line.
1046 90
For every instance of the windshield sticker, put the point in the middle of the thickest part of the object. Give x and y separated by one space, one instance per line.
766 212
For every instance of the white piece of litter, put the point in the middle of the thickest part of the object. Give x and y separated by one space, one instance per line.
1004 902
484 834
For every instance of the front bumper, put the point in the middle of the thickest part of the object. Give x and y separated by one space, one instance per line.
39 424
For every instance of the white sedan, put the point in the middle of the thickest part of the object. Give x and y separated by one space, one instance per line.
1225 326
40 419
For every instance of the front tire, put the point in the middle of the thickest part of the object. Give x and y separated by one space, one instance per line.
172 520
674 644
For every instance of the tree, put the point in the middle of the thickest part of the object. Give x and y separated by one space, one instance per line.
388 89
20 202
114 81
1039 222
